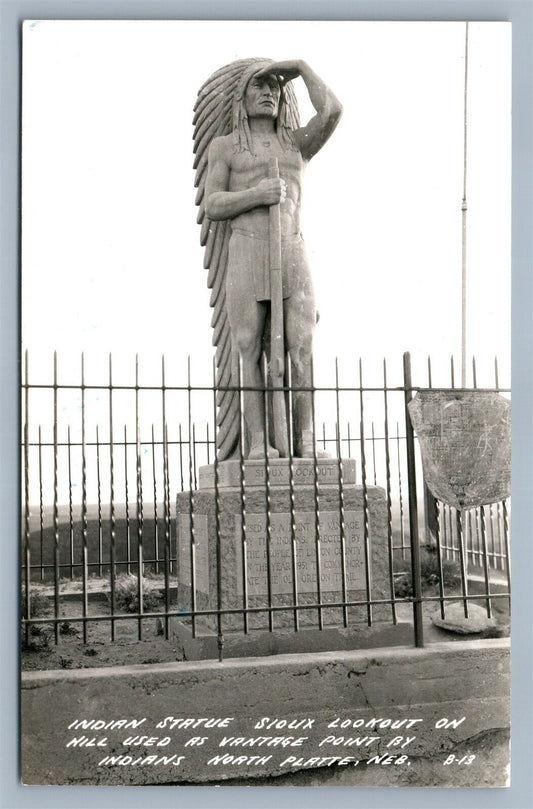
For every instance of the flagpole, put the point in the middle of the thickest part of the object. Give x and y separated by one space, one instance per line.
464 211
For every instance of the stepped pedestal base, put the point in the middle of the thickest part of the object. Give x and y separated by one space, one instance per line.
272 556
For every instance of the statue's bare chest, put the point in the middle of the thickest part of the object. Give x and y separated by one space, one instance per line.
248 169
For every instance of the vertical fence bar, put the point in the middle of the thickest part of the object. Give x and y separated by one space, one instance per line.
112 515
70 509
156 531
500 540
220 636
498 516
207 443
140 515
242 487
506 544
194 461
318 554
166 492
479 541
366 531
478 538
56 512
468 529
452 528
99 494
485 561
349 441
462 561
268 496
413 506
27 555
400 493
474 374
292 501
454 535
469 557
374 454
342 521
84 522
41 502
430 515
389 495
192 534
439 562
470 544
167 526
127 503
448 554
166 485
493 553
430 503
180 444
452 372
468 538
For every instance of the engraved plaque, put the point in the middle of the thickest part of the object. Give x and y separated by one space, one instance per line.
281 552
465 441
201 551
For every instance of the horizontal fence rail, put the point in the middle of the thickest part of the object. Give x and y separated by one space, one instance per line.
112 472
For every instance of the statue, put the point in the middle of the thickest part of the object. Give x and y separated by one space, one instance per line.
250 156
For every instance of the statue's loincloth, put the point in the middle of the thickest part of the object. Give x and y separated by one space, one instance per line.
249 264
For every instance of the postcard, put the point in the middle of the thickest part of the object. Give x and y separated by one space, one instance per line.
266 403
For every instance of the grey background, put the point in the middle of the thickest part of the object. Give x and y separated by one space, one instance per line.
520 13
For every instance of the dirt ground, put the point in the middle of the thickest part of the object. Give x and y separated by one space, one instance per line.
97 649
73 651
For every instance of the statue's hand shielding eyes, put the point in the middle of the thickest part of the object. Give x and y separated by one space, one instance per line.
285 71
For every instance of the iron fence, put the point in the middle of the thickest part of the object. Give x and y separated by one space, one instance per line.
111 471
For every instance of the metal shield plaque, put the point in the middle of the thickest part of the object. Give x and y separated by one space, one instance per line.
465 442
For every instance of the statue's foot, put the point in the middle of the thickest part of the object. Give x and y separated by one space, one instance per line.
307 451
257 452
306 447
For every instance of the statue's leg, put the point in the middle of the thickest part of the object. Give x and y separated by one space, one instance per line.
247 322
300 320
299 328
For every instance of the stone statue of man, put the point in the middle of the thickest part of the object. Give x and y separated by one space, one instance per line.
246 114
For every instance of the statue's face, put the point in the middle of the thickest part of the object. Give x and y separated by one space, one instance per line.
261 98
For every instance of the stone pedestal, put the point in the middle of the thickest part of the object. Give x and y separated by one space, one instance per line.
299 550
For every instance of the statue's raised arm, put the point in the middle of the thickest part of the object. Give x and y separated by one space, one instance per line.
313 136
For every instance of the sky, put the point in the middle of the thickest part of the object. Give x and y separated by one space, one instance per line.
111 260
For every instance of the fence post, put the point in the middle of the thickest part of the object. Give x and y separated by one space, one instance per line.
413 507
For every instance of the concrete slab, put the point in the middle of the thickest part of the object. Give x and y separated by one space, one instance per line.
434 698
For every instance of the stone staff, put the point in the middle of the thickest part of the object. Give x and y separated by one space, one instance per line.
277 342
